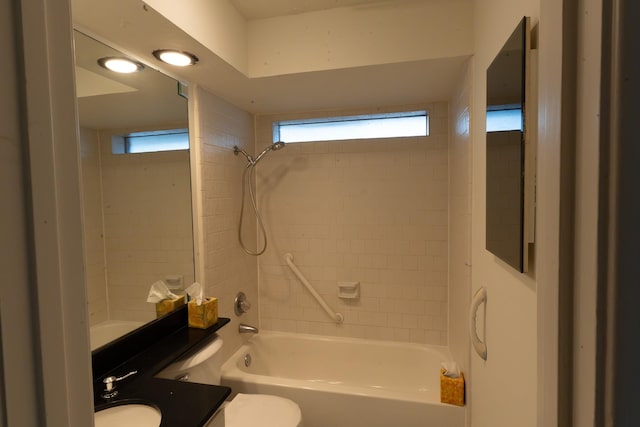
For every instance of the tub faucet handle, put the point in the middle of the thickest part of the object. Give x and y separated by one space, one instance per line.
241 304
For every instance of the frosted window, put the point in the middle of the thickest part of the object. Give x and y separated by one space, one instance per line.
504 120
391 125
150 142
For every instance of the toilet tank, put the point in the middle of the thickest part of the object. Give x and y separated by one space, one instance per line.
202 366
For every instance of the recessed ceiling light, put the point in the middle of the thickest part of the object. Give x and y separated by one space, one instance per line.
175 57
120 65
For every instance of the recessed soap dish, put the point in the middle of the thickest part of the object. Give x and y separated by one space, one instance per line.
349 290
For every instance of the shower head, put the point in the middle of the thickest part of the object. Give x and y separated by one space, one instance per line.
275 146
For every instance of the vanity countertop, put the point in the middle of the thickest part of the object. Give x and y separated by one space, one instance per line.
148 351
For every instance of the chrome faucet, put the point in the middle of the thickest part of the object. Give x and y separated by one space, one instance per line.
247 329
110 385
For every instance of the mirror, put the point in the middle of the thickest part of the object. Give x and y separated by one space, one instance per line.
507 214
137 205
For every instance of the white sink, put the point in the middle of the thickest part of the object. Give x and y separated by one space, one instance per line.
133 415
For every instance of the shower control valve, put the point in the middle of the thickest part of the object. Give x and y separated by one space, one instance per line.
241 305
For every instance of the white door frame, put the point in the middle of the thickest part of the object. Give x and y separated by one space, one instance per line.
45 350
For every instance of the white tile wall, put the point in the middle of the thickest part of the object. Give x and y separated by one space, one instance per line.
93 226
147 225
373 211
227 269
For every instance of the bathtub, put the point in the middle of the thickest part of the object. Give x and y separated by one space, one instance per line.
109 330
341 382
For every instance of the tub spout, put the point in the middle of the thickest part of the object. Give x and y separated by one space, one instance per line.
247 329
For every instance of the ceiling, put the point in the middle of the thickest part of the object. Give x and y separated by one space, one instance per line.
262 9
127 27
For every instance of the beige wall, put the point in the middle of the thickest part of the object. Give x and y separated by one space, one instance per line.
337 38
215 24
91 183
223 267
360 35
460 221
503 390
373 211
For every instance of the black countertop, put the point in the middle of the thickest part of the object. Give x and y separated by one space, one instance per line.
148 350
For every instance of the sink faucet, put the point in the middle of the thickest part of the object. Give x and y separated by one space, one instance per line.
247 329
110 385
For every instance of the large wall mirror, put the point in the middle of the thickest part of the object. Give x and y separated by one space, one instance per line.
136 197
509 220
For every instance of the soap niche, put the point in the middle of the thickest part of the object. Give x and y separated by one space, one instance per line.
349 290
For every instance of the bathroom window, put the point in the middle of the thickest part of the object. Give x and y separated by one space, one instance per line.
151 142
504 118
388 125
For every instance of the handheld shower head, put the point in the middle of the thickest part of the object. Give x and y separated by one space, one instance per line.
248 171
275 146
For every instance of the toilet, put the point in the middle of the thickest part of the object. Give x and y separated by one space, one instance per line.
244 410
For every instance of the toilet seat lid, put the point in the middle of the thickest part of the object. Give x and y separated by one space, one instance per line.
249 410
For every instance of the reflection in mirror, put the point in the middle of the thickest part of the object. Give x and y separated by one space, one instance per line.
136 202
505 151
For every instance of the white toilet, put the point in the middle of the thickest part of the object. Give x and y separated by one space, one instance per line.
245 410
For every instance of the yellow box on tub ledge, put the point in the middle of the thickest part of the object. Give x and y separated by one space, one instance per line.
451 389
204 315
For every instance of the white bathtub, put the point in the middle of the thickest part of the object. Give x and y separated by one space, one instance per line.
342 382
109 330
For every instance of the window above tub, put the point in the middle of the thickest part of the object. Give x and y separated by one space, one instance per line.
504 118
151 141
368 126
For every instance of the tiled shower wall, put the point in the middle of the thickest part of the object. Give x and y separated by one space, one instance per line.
147 225
224 268
137 225
373 211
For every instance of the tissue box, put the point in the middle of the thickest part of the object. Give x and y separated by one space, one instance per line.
168 305
451 389
204 315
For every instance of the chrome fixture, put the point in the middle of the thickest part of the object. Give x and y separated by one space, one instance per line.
275 147
247 329
247 360
241 305
175 57
110 386
251 163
